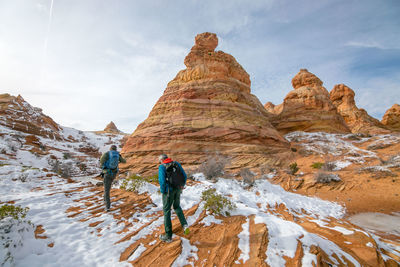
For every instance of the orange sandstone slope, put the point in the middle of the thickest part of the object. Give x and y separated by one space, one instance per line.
357 119
307 108
392 118
207 108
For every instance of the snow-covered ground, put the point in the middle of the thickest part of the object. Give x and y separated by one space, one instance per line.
74 243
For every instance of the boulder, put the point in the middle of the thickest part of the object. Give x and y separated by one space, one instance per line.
206 109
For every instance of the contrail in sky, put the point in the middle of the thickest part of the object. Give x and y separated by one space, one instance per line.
48 27
46 41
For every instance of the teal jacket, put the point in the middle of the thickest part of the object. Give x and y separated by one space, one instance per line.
162 175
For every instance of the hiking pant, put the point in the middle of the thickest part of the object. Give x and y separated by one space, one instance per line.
107 180
173 199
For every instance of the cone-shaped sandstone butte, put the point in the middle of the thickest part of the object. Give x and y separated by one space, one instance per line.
206 108
19 115
357 119
308 108
111 128
392 118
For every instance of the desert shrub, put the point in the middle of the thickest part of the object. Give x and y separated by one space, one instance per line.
216 203
13 228
214 167
16 212
133 183
293 168
317 165
326 178
247 176
377 171
64 169
329 166
82 166
152 179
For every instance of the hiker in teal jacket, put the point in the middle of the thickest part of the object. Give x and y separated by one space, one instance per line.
170 197
109 165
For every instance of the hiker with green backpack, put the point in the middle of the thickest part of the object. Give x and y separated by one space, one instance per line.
109 164
172 179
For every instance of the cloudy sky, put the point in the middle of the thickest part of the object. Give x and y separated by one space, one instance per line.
92 61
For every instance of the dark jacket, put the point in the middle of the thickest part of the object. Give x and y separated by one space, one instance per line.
162 175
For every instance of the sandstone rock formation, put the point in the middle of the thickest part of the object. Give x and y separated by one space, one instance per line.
357 119
17 114
274 109
308 108
207 108
111 128
392 118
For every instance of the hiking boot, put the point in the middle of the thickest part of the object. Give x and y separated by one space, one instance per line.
107 209
186 230
165 238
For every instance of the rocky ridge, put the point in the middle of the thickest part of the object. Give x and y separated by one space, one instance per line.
19 115
357 119
207 108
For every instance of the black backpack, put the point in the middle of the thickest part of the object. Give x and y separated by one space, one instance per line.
175 176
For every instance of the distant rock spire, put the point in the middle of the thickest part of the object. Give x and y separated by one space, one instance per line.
111 128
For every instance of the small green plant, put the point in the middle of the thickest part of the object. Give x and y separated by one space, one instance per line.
133 183
317 165
66 155
217 203
152 179
293 168
15 212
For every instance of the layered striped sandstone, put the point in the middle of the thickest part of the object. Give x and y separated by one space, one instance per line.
207 108
357 119
307 108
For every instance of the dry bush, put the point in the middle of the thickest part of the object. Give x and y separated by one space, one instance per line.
377 171
214 166
329 166
247 176
326 177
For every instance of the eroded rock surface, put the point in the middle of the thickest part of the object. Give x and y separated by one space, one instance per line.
111 128
392 118
19 115
207 108
308 108
357 119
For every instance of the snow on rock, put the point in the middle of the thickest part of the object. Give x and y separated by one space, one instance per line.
244 242
188 251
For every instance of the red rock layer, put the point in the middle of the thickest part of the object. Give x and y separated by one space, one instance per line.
392 118
308 108
207 108
357 119
19 115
